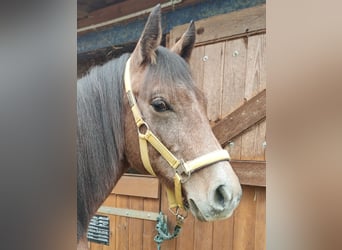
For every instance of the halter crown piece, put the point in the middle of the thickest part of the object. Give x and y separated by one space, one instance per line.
182 169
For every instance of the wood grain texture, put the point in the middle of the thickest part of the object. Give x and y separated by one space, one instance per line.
136 226
203 235
197 65
121 229
212 79
251 173
171 219
226 26
223 234
136 186
260 225
241 119
149 226
244 221
111 202
115 11
234 75
256 65
234 148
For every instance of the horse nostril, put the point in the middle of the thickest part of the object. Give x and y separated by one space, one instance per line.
222 196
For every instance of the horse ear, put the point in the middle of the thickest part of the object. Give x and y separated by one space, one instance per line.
186 43
149 40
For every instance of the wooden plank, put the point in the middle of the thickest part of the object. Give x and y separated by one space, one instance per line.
122 230
203 235
197 65
168 244
260 223
251 173
111 202
130 213
226 26
234 75
260 151
248 114
234 148
248 143
136 226
140 186
244 221
186 238
149 226
256 65
223 234
116 10
212 79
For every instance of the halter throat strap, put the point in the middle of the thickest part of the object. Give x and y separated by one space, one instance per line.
182 169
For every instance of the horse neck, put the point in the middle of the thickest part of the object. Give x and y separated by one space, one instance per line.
100 136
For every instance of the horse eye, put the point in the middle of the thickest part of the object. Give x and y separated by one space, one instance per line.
160 105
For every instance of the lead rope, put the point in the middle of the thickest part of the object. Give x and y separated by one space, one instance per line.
163 231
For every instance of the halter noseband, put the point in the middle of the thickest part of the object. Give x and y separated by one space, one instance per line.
182 169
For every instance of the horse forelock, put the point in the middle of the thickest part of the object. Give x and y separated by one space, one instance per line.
171 71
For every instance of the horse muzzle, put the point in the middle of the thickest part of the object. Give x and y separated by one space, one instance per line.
213 200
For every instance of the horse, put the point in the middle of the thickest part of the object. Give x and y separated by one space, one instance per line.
143 110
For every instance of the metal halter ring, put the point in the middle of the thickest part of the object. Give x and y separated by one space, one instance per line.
142 129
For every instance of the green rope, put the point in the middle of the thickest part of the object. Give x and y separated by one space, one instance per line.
163 232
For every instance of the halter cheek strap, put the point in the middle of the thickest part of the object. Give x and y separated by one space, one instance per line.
182 169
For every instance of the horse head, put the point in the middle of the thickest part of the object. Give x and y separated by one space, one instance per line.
169 106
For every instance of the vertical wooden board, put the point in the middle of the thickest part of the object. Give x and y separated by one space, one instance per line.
260 138
212 79
256 65
234 75
135 234
252 143
111 202
223 234
244 221
203 235
248 143
260 220
234 148
168 244
151 205
186 238
122 230
95 246
196 66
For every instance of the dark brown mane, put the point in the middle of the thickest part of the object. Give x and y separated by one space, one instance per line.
100 137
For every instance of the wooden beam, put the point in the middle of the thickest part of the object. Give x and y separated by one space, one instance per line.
140 186
251 173
227 26
115 11
130 31
250 113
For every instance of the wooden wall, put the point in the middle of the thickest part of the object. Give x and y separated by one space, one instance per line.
229 65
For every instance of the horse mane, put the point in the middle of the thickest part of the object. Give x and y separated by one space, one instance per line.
100 137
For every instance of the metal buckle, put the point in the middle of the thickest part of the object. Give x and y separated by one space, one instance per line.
182 171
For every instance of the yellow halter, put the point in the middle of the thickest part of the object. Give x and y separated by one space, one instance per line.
182 169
